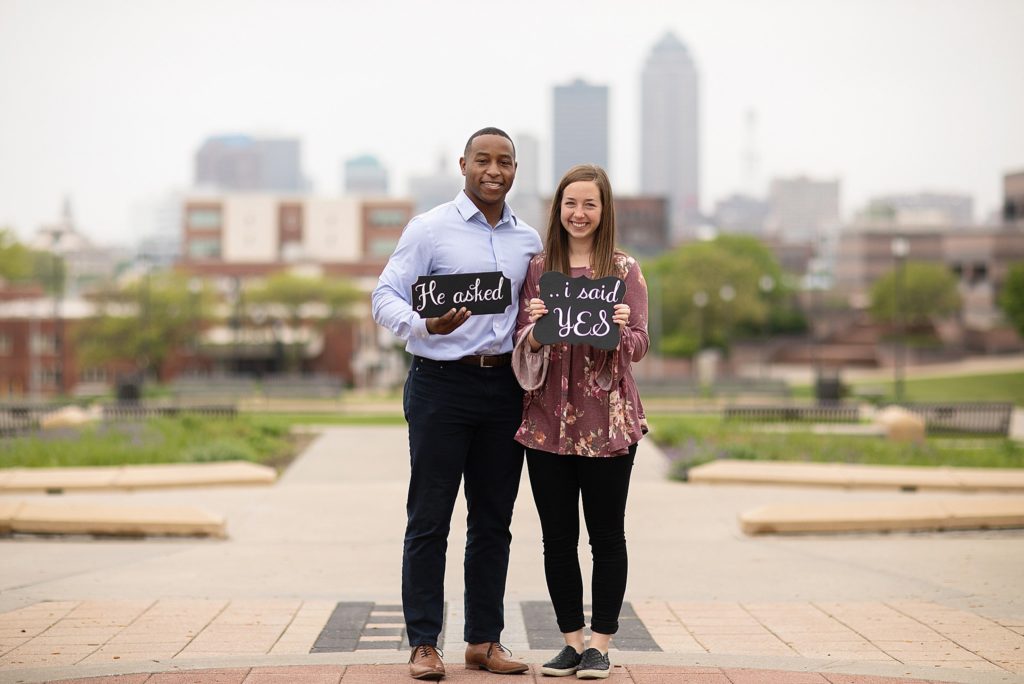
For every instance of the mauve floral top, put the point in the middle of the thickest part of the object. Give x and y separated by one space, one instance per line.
581 400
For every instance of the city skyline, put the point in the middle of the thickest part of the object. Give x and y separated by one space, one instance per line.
107 102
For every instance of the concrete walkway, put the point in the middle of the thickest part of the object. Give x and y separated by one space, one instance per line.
323 546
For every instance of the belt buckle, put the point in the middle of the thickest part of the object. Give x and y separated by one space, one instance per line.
483 361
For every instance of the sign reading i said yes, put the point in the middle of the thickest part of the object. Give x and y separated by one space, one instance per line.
481 293
580 310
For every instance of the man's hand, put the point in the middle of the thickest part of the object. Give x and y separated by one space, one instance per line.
442 325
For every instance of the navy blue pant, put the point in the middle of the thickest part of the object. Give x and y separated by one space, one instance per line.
462 420
558 481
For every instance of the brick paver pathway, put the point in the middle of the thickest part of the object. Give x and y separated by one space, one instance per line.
398 674
162 633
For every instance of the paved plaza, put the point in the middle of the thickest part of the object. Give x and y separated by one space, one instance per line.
306 588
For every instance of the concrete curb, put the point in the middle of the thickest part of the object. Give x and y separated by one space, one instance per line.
132 521
884 516
856 476
132 477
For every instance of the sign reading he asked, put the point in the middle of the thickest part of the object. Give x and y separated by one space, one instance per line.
481 293
580 310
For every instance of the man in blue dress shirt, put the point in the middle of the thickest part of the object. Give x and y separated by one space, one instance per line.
463 405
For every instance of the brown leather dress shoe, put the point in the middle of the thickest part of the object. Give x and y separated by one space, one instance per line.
425 663
493 657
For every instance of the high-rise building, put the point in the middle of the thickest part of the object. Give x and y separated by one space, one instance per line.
430 190
670 133
741 214
244 163
580 127
365 175
1013 197
803 210
923 209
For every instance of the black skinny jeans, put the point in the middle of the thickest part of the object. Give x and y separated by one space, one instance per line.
557 482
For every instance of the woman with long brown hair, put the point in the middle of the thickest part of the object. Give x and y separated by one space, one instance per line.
582 419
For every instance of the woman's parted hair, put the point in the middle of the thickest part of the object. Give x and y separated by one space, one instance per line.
556 245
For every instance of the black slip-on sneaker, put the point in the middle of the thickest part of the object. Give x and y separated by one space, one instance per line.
565 663
593 665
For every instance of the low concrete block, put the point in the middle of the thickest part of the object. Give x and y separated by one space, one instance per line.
84 518
138 477
64 479
859 476
195 475
8 509
886 516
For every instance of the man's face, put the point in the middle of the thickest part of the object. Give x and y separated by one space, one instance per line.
489 168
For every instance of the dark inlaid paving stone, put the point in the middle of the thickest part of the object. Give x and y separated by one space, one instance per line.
341 633
542 628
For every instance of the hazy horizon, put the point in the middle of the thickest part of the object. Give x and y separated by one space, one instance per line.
107 101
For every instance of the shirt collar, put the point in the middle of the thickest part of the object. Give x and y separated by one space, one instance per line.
468 210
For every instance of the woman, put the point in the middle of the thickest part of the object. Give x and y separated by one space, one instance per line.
582 419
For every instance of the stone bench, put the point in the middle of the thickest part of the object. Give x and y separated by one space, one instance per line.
911 513
131 477
48 517
858 476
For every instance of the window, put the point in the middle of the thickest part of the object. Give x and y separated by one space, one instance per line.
5 344
382 247
204 248
388 217
93 374
204 217
43 344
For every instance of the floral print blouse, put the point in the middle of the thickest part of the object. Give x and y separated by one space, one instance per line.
580 400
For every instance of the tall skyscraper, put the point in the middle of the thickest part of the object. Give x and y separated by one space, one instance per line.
241 162
365 175
580 127
670 133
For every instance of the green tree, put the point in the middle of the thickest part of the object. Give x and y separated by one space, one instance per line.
304 301
1011 299
19 264
929 291
729 265
144 321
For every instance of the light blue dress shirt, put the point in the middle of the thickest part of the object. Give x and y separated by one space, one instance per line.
454 238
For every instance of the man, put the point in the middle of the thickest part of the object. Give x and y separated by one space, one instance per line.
463 405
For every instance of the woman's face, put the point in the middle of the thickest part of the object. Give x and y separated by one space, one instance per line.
581 210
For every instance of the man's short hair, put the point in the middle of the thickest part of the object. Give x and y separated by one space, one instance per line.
490 130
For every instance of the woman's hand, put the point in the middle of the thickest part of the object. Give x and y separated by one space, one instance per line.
621 315
536 309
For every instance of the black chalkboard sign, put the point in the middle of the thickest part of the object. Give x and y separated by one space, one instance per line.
481 293
580 310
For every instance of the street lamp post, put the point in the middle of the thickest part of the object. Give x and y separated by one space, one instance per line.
900 249
727 293
766 284
700 300
58 327
195 291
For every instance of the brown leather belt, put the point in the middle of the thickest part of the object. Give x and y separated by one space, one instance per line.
485 361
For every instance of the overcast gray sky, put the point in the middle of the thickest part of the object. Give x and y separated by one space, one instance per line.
107 100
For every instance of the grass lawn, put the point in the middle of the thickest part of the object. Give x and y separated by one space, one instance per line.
966 388
185 439
692 440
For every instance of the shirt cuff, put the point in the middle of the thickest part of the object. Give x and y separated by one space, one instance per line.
419 329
